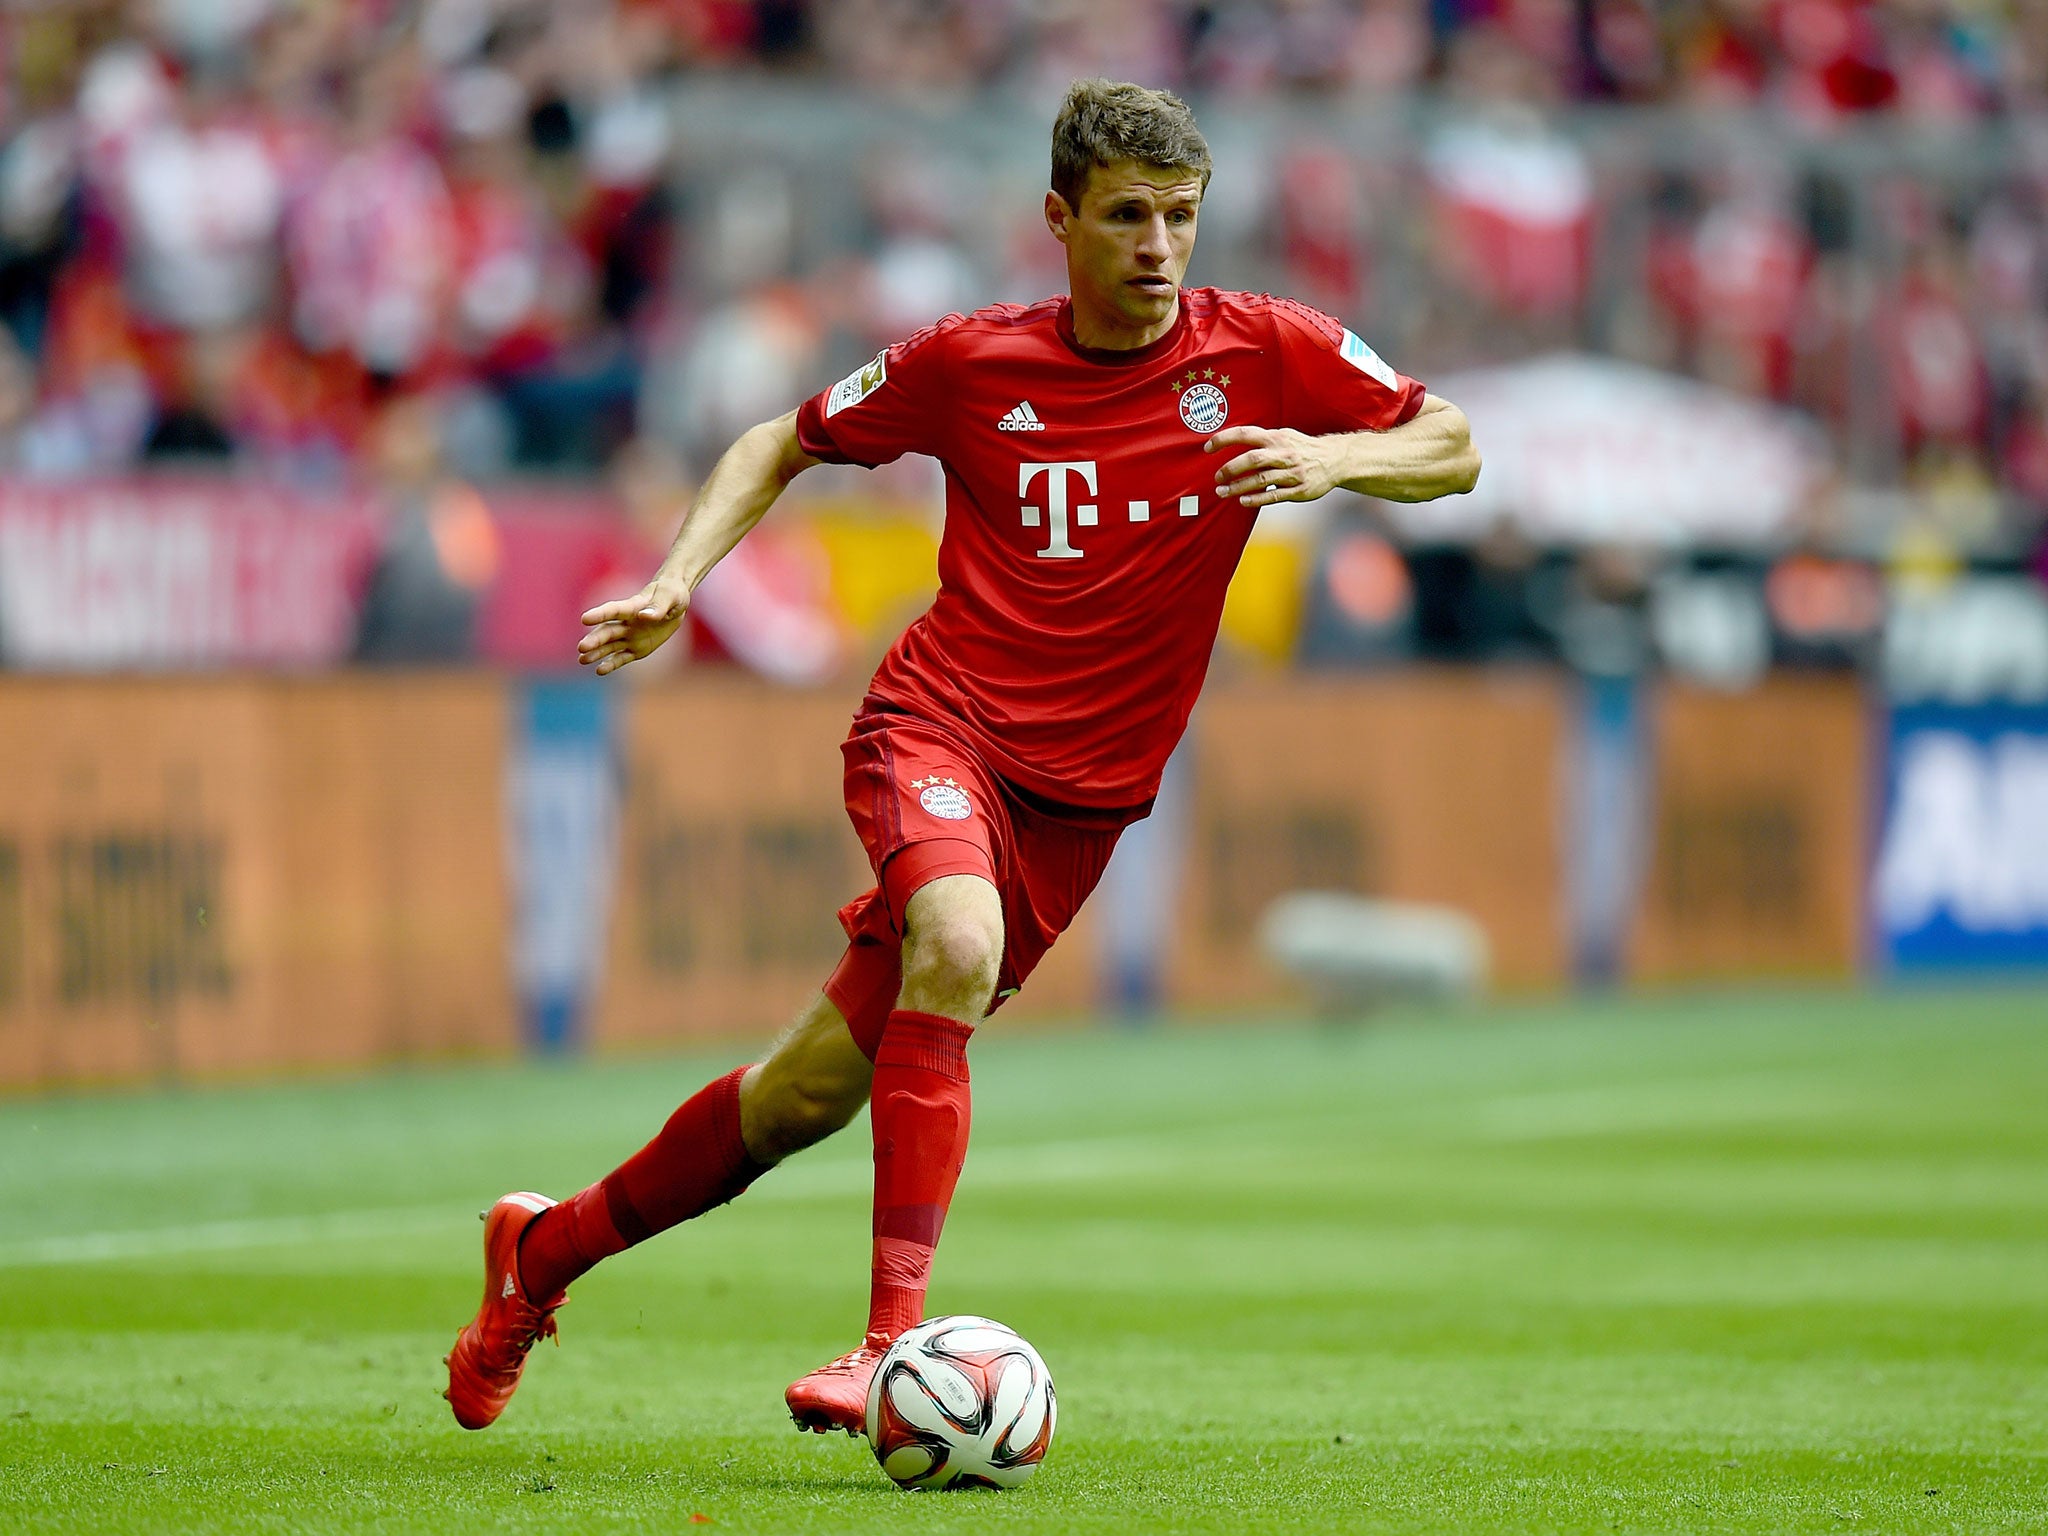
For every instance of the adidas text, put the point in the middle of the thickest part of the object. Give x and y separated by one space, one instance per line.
1022 419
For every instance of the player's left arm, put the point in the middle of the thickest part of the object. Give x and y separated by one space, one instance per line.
1427 456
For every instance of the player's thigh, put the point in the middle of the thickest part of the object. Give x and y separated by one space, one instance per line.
812 1081
953 929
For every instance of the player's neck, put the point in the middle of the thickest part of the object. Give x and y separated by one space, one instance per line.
1101 329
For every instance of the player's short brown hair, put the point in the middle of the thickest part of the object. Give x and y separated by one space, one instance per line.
1104 121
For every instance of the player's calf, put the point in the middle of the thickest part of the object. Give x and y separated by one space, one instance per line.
811 1085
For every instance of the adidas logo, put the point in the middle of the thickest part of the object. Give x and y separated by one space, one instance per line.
1022 419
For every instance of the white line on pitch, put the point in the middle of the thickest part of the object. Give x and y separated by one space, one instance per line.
1062 1162
220 1236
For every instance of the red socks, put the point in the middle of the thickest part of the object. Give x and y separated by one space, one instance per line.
920 1112
697 1162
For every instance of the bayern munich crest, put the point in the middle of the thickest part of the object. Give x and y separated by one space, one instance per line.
944 798
1204 408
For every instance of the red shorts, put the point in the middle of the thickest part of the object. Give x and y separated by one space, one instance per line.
925 805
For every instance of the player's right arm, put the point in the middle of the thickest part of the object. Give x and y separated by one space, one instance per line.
743 486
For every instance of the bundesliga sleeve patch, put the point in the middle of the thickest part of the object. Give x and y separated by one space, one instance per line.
862 382
1355 352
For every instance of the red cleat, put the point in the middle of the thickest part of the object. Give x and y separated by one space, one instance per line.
484 1366
835 1396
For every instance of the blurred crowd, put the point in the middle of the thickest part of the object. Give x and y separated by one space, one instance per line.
1929 59
236 228
439 243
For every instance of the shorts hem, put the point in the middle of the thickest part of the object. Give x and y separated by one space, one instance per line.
916 865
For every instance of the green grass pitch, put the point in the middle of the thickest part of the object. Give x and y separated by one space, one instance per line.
1759 1264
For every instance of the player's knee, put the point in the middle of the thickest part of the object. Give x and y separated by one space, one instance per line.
956 953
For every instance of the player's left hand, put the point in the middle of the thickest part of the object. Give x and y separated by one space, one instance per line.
1278 464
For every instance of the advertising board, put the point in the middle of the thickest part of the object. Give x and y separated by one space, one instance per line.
1440 786
206 877
1961 875
1761 806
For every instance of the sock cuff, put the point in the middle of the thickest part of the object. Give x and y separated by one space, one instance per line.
929 1041
724 1094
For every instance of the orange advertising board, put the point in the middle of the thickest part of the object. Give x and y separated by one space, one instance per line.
206 877
209 877
1435 786
1761 808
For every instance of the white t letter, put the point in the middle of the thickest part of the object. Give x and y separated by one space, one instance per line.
1057 547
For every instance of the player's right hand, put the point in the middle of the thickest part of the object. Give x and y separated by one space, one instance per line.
632 627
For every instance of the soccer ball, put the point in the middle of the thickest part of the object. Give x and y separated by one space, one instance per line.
960 1402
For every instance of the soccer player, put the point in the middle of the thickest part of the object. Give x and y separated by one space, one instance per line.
1106 455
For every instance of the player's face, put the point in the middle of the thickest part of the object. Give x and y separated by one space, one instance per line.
1128 246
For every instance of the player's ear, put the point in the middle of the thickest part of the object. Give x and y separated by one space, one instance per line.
1057 213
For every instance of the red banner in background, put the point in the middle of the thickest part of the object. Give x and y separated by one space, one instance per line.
105 575
196 574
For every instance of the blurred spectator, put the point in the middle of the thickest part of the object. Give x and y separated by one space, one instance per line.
1325 260
1361 601
199 202
17 403
747 361
1733 283
1600 614
1940 382
39 214
1513 198
373 237
1710 624
1492 601
439 551
1825 611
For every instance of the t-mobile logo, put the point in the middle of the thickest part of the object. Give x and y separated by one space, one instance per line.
1057 548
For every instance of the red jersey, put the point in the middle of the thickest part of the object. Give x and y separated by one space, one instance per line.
1086 553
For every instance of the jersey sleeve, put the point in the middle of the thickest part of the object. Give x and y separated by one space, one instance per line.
1330 381
883 409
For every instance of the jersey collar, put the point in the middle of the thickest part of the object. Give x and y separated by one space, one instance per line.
1118 357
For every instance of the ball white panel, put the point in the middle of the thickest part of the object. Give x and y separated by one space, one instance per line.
1013 1386
908 1463
1030 1418
974 1340
917 1406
